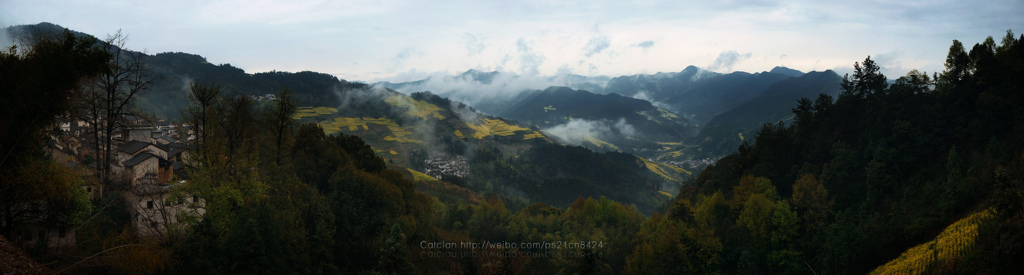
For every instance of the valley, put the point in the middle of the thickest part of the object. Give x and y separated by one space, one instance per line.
120 161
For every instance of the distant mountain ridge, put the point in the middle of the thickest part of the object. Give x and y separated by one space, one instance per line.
722 107
708 110
727 130
631 122
409 129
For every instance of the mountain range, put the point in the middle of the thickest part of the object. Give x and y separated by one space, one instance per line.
691 114
424 132
668 117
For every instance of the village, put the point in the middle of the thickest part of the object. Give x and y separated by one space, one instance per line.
439 164
148 164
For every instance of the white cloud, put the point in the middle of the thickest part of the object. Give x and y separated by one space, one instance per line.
645 45
726 60
529 61
361 39
642 95
577 131
596 45
474 44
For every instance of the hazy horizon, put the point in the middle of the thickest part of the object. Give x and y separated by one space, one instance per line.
404 40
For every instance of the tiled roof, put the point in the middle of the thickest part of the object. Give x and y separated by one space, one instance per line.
138 159
133 147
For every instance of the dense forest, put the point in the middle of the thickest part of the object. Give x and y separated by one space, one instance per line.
855 182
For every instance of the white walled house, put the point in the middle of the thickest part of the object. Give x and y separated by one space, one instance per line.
155 210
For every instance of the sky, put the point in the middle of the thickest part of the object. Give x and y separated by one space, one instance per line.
403 40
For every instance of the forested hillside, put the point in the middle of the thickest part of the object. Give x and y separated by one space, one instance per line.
724 132
858 179
409 130
923 175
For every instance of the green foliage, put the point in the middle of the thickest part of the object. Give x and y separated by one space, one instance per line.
279 200
848 186
880 170
558 174
671 247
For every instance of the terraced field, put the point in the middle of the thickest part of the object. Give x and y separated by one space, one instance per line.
952 243
305 112
601 143
667 171
487 127
415 107
353 125
667 114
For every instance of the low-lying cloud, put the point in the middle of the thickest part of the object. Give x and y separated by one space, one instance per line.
5 39
642 95
577 131
726 60
501 87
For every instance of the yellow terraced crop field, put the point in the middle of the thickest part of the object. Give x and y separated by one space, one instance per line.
952 243
495 127
601 143
534 135
664 170
667 114
420 176
304 112
353 124
416 108
674 154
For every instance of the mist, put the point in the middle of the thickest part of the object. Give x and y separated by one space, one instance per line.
475 87
577 131
642 95
5 38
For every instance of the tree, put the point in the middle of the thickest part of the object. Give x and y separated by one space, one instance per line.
756 217
108 99
866 81
201 111
957 66
41 191
393 259
784 258
37 83
668 246
810 200
915 82
954 183
280 125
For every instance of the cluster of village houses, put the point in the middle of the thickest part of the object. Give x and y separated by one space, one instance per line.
439 164
148 163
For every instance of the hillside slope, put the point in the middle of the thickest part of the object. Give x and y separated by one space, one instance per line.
856 181
609 122
724 133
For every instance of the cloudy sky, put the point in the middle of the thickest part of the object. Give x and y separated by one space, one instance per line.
409 39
